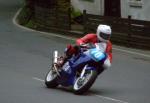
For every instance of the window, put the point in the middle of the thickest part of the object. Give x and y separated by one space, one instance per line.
136 3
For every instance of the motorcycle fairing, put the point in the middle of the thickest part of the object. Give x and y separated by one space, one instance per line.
70 67
76 62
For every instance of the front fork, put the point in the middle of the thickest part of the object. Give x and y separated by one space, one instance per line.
83 71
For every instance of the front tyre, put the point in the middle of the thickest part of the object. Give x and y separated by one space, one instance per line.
83 84
51 78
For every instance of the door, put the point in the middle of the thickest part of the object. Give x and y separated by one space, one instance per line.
112 8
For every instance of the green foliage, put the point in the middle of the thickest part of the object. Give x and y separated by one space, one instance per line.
23 17
75 13
30 24
63 5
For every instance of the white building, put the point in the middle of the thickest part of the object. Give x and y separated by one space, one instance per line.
138 9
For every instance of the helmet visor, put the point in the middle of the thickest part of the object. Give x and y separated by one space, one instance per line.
105 36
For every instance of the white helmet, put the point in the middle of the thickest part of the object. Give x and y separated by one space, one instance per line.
103 33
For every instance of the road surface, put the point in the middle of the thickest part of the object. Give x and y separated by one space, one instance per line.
25 57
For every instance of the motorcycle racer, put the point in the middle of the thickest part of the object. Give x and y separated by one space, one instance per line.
102 41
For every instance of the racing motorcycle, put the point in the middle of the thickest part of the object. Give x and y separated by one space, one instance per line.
79 72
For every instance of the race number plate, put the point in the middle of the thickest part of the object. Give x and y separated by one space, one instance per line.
96 54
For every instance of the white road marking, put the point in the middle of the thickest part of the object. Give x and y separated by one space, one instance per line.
111 99
99 96
132 52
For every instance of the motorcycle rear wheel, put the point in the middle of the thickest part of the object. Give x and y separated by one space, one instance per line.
51 78
83 84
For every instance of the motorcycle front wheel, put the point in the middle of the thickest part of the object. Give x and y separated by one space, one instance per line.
81 85
51 78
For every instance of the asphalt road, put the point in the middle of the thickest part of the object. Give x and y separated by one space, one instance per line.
25 57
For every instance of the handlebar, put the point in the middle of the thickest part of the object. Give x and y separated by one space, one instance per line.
88 45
